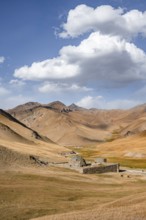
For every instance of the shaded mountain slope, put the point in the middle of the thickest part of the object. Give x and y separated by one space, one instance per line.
11 128
18 142
73 125
66 128
7 133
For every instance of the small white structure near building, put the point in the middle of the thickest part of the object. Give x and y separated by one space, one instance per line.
77 161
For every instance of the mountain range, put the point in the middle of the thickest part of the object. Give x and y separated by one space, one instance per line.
34 135
47 130
76 126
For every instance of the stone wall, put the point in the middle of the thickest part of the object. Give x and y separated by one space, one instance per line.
100 160
77 161
100 169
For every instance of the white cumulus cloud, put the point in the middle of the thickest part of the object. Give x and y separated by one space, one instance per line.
62 87
56 68
106 19
101 103
90 102
98 58
16 82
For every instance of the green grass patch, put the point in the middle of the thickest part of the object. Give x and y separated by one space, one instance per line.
110 139
89 153
129 162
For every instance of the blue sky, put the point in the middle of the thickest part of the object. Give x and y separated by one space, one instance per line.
92 53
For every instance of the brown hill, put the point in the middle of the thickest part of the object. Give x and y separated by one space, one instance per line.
59 190
57 105
70 125
11 128
76 126
74 107
18 142
6 133
65 126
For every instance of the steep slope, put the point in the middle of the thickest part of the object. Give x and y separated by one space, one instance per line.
25 107
18 142
136 119
11 127
57 105
131 149
73 125
70 125
7 133
74 107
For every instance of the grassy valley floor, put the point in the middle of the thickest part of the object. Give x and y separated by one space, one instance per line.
31 193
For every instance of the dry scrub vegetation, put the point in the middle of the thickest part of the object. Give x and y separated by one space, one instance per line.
31 193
